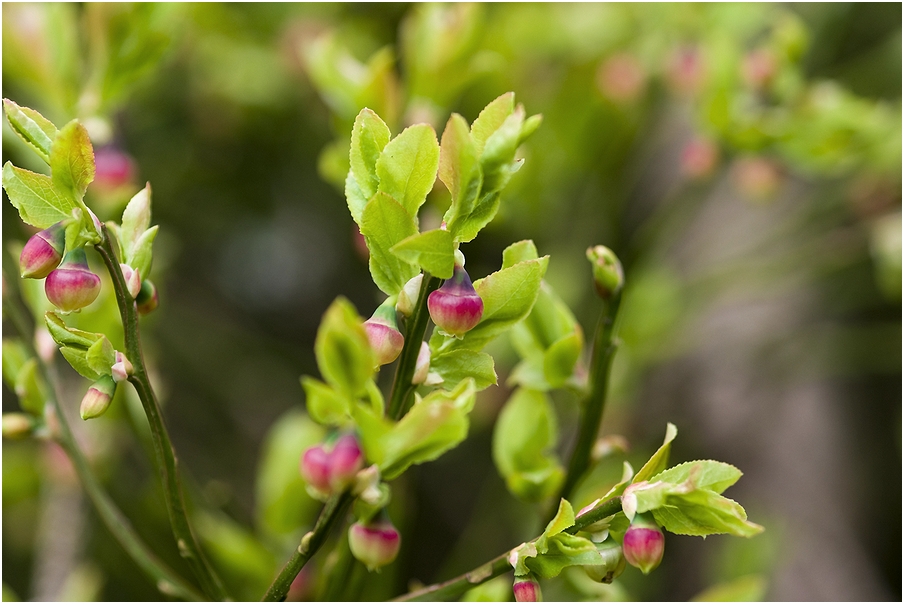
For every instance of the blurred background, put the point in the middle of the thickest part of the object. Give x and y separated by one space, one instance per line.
743 160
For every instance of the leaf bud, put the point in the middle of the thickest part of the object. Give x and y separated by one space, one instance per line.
423 364
527 589
132 278
375 543
608 275
72 285
43 251
408 297
346 460
147 300
315 468
456 307
17 426
643 545
98 398
613 563
383 333
122 368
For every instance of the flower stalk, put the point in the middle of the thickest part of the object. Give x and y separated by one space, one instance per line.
165 456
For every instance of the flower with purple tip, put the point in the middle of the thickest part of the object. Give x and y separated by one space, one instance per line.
383 333
42 252
98 398
375 544
643 545
345 461
72 285
456 307
527 590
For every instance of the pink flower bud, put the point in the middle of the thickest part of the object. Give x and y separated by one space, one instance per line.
375 544
147 300
113 168
132 278
42 252
17 426
456 307
72 285
685 70
527 590
98 398
621 78
315 467
122 368
422 365
383 333
643 546
345 461
699 158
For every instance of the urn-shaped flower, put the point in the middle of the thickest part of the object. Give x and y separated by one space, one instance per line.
383 333
42 252
98 398
72 285
643 545
375 543
456 307
526 589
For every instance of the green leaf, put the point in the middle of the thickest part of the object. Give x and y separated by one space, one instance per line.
30 388
562 520
523 439
100 356
407 167
324 404
518 252
385 223
344 355
508 296
564 550
77 358
561 357
454 366
63 335
660 458
39 203
282 504
747 589
491 118
72 160
236 551
32 127
434 425
703 474
499 152
136 221
433 251
460 169
142 254
467 228
369 137
355 199
529 127
549 321
702 513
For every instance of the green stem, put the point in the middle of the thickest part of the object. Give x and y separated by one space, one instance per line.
451 589
605 345
167 463
309 545
166 580
408 359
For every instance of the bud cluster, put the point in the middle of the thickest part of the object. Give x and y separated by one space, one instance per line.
329 470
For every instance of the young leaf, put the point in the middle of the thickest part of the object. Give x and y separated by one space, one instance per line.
369 136
136 220
702 513
454 366
343 353
65 336
14 357
466 228
100 356
142 254
32 127
407 166
499 152
460 169
30 388
433 251
77 358
384 223
523 438
72 160
518 252
39 203
508 296
660 458
355 199
491 118
561 357
704 474
324 404
563 550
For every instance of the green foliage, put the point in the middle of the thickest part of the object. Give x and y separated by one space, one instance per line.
523 439
555 550
91 354
454 366
433 251
407 166
385 223
32 127
344 355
